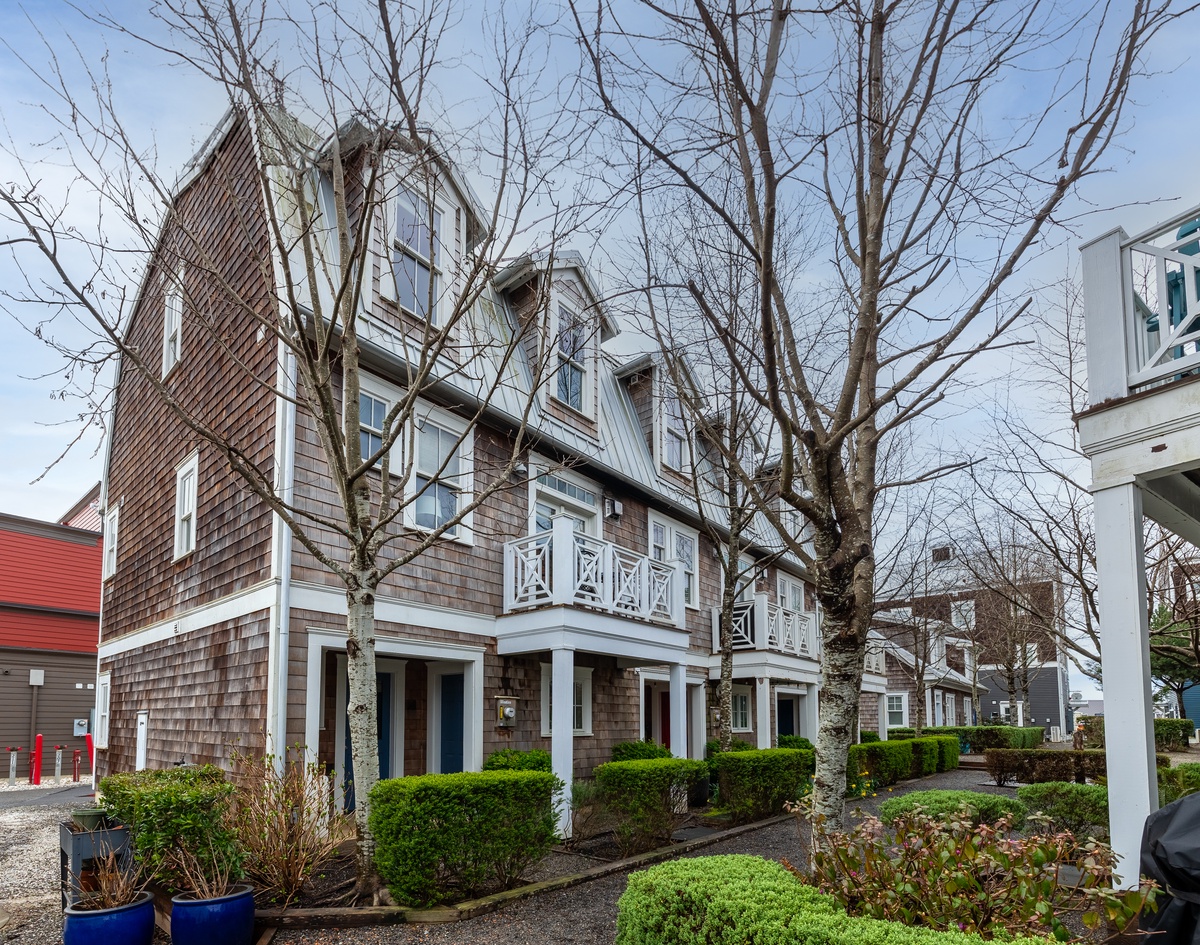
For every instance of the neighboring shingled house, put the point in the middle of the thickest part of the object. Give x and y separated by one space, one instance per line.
586 573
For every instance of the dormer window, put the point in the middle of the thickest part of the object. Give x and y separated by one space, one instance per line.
675 438
572 363
417 248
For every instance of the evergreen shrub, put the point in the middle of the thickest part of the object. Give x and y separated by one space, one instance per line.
866 736
885 762
513 759
1079 808
756 784
1177 782
948 748
983 808
643 797
713 746
795 741
184 807
1038 765
441 837
925 757
638 751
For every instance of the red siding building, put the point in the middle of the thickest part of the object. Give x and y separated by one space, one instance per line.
49 626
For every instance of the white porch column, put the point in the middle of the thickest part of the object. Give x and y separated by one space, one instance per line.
697 713
762 711
808 721
883 717
679 713
1125 652
562 729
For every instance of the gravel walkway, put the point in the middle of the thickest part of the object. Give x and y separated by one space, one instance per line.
583 915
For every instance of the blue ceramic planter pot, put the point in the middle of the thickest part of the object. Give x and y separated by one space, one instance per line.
123 925
228 920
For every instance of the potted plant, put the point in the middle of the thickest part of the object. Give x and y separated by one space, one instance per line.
117 912
216 907
90 818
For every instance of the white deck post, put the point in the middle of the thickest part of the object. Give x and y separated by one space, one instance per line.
679 710
1104 318
883 718
1125 651
562 559
562 728
809 715
696 718
762 711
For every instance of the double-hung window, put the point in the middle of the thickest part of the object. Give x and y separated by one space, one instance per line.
109 567
897 710
186 478
669 541
442 473
371 413
417 255
791 594
581 702
572 354
740 705
172 321
676 452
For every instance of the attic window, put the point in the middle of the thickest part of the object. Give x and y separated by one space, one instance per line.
675 439
572 368
417 255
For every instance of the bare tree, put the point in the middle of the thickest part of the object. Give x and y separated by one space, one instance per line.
858 127
345 158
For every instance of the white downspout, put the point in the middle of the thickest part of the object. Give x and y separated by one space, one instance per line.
287 469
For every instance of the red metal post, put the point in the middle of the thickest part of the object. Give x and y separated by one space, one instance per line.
37 760
91 750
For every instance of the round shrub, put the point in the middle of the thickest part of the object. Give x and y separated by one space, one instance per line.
1079 808
984 808
638 751
513 759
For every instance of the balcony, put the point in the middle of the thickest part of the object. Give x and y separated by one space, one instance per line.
563 567
761 624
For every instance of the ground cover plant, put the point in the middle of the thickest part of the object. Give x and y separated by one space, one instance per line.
981 808
951 873
442 837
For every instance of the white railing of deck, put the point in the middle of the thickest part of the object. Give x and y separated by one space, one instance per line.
565 567
761 624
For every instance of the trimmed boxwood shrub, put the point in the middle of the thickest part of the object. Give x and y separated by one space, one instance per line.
795 741
644 795
866 736
713 746
885 762
513 759
177 807
638 751
1038 765
756 784
735 900
1169 734
925 757
440 837
1079 808
948 748
984 808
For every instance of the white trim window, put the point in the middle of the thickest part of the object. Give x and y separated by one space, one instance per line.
187 475
950 719
791 594
103 707
581 703
962 614
676 443
739 701
417 254
172 345
571 383
669 542
371 413
443 473
555 494
109 566
897 709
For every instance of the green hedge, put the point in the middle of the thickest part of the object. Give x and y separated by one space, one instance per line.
756 784
1079 808
644 796
984 808
444 836
1177 782
639 751
177 807
745 900
513 759
1036 765
948 749
925 757
976 739
866 735
713 746
1169 734
885 762
795 741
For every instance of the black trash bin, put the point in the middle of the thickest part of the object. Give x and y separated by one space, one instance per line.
1171 857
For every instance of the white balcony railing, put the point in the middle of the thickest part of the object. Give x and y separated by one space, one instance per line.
1146 291
567 568
761 624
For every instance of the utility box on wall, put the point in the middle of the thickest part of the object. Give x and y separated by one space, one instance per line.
506 711
81 728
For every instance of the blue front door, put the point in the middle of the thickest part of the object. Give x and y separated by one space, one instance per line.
452 723
383 709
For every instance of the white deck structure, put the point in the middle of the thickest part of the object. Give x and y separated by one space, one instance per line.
1141 432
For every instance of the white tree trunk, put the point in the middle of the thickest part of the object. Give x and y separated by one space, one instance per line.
841 676
362 713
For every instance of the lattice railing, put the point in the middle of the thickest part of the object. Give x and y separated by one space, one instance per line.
761 624
1161 274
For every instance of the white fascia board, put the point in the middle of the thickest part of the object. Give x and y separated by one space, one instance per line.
260 597
587 631
772 665
332 600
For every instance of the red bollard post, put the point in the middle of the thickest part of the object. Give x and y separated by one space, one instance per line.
75 764
91 749
37 760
